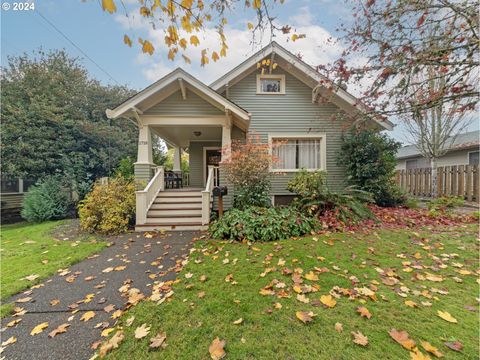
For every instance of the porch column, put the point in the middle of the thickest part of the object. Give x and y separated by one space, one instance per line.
227 139
177 159
144 164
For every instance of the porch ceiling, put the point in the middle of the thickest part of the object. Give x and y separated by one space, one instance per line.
182 135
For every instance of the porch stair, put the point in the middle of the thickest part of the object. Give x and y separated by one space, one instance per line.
175 210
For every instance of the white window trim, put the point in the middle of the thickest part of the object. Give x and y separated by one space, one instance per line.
323 149
280 77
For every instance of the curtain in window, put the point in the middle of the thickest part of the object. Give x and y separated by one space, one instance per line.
285 154
308 154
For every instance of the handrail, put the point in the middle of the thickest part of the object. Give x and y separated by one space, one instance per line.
146 197
206 195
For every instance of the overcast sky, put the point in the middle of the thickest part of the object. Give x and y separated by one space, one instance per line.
100 36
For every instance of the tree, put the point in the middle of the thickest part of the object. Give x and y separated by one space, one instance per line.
53 120
390 42
434 129
184 20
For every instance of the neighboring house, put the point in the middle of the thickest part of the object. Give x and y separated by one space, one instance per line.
290 104
11 195
464 151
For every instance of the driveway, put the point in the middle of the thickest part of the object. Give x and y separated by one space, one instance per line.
134 258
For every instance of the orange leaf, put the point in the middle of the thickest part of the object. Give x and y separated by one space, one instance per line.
216 349
402 338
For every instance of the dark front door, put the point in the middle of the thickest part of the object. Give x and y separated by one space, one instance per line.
213 157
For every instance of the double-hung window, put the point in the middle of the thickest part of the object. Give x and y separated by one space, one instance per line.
295 153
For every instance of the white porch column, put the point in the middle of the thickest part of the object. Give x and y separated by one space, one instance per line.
144 146
227 138
177 159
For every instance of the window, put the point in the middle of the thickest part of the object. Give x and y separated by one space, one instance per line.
411 164
295 153
473 158
270 84
9 185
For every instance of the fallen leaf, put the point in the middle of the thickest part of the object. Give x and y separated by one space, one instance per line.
158 341
338 327
402 338
129 321
9 341
106 332
311 276
216 349
446 316
31 277
363 311
454 345
359 338
39 328
411 303
112 343
238 322
59 330
109 308
13 322
431 349
418 355
54 302
23 300
302 298
142 331
87 316
305 316
328 301
117 314
188 275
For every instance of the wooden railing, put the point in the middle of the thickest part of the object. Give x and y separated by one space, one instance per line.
459 180
145 198
207 194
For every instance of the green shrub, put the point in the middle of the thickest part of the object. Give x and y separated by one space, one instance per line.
369 161
47 200
253 195
412 203
262 224
314 198
126 168
110 208
444 204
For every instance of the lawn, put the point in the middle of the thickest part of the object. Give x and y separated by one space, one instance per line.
434 269
32 250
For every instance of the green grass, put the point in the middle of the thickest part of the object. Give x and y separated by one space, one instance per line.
191 323
24 247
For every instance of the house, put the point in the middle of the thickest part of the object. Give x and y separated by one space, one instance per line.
11 196
290 103
463 151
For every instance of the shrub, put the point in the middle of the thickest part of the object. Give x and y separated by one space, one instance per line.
247 168
412 203
47 200
369 160
126 168
444 205
262 224
314 198
109 208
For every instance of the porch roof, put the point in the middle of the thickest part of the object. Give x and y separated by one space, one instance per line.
175 81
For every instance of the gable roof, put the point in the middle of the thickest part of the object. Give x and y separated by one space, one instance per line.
341 97
173 81
462 141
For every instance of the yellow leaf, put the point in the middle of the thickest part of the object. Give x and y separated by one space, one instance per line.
430 348
402 338
338 327
250 26
363 311
257 4
204 60
183 43
359 338
215 56
418 355
9 341
302 298
106 332
216 349
305 316
238 322
39 328
410 303
142 331
109 5
111 343
446 316
194 40
328 300
311 275
59 330
296 37
117 314
87 316
147 47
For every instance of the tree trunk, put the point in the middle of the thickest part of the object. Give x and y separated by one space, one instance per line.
433 165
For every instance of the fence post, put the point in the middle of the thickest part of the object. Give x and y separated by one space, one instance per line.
468 182
440 181
460 180
476 188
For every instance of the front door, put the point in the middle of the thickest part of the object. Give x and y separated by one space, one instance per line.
212 157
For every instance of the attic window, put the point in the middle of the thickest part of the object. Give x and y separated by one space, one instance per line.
270 84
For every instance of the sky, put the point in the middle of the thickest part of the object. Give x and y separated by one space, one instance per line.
97 38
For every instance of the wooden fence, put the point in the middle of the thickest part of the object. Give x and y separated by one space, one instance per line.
460 180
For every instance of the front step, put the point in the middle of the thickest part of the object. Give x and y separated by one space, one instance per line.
172 206
190 211
178 219
171 227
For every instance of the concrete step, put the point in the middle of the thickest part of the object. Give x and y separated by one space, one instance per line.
175 219
194 211
171 227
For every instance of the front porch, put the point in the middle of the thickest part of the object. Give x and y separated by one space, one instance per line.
190 117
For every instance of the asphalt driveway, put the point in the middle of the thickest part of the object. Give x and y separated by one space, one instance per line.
131 259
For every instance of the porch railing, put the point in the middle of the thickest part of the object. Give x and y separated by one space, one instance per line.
207 194
146 197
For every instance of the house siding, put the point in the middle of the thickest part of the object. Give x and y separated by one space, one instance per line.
194 105
291 113
458 157
195 158
143 174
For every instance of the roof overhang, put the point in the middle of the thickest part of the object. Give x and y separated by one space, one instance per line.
318 82
177 80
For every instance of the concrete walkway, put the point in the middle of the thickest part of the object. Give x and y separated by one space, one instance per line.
133 251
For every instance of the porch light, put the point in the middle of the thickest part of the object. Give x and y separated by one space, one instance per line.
197 133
